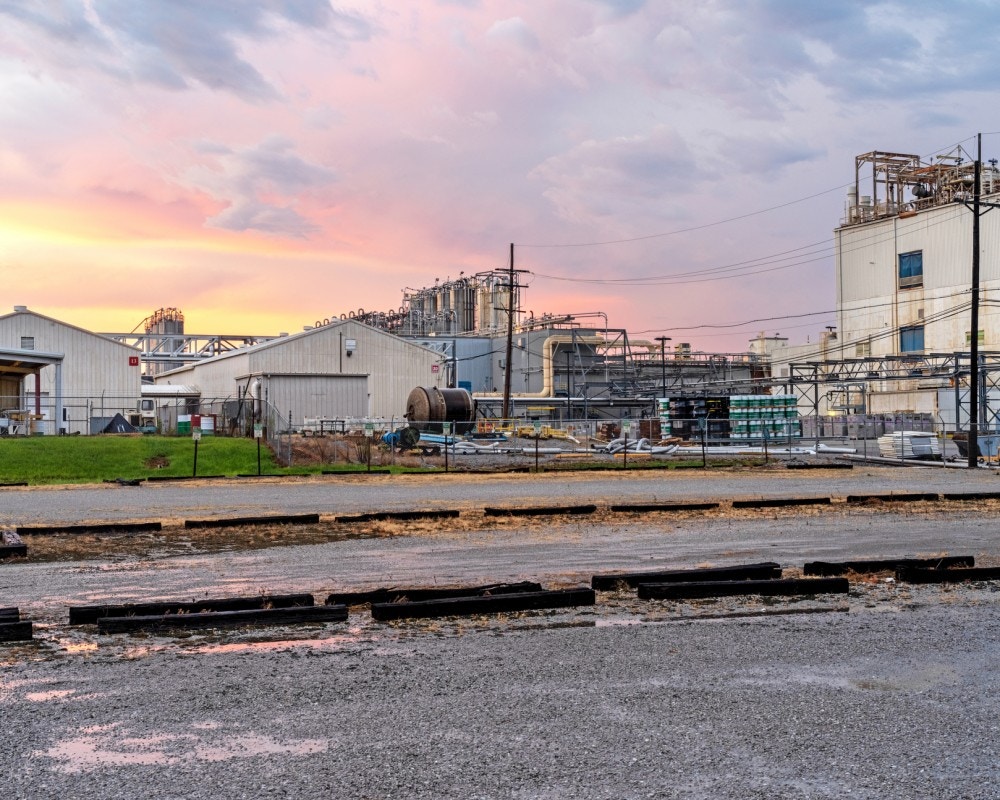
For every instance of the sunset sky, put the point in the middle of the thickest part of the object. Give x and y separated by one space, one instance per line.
262 165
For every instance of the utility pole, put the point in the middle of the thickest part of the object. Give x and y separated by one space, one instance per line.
663 364
505 414
973 439
976 407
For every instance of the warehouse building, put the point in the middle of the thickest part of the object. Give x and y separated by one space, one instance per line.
58 378
337 371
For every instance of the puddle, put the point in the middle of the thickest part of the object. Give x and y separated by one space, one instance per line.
77 647
332 642
105 747
53 694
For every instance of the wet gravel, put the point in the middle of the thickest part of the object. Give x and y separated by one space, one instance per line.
864 705
890 691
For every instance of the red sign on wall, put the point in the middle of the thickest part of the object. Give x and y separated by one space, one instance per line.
133 361
435 368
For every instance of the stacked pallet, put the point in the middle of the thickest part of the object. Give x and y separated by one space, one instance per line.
910 444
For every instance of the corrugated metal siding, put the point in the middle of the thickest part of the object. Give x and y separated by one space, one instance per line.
390 367
330 396
870 303
866 259
215 377
93 365
393 366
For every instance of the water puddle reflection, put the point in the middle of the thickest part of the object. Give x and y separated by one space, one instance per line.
104 747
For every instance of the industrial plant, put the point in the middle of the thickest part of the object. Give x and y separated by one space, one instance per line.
903 345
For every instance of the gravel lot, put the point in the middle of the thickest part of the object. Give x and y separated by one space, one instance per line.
889 691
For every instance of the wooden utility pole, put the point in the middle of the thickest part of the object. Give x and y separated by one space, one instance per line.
973 438
505 414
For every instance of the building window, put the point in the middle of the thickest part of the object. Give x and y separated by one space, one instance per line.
981 338
27 342
911 269
911 339
863 349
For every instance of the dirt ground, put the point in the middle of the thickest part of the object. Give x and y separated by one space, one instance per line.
177 540
338 449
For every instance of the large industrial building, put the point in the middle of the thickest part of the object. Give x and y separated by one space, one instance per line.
904 259
58 378
903 256
561 366
340 370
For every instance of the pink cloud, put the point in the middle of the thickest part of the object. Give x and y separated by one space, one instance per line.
358 150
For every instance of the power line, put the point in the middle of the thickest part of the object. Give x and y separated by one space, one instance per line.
747 266
692 228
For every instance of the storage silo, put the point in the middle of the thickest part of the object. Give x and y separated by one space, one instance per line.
165 322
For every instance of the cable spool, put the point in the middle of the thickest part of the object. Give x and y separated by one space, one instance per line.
428 406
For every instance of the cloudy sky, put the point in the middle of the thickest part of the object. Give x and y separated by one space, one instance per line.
261 165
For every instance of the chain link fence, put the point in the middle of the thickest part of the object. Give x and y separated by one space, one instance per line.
178 416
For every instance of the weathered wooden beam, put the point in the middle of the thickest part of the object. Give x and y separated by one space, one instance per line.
379 516
884 564
13 550
88 615
537 511
220 619
266 519
767 570
971 496
783 587
777 502
641 508
918 575
415 594
16 631
497 604
99 527
904 497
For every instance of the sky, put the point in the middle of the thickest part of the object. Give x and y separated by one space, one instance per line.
677 166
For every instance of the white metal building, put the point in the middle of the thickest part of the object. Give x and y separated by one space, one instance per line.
81 375
342 370
904 270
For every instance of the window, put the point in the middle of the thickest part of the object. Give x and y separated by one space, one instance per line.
863 349
911 269
27 342
981 338
911 339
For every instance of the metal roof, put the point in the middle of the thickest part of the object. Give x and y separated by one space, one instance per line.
26 362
